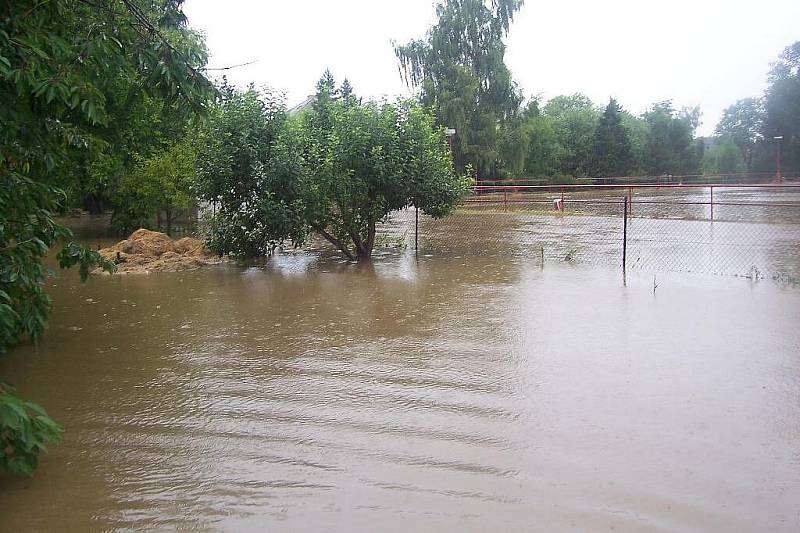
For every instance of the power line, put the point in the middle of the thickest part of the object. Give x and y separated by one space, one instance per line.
231 66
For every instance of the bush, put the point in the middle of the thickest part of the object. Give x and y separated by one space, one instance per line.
25 430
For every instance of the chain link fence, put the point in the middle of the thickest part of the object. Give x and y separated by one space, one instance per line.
749 231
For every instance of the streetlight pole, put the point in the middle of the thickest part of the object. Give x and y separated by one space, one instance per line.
450 132
778 177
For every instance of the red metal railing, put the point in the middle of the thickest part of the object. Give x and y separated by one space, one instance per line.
521 194
731 178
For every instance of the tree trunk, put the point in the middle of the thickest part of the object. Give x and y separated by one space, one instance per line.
365 252
93 204
168 213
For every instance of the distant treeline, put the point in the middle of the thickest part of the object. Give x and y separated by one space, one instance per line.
459 70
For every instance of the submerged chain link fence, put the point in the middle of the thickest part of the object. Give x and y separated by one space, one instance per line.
749 231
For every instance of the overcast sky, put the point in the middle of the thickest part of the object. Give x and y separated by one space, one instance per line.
694 52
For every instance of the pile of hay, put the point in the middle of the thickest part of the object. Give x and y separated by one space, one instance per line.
150 251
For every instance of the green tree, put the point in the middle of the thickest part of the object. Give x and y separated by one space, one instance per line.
542 150
742 123
460 70
612 148
162 183
25 431
248 168
512 148
363 161
346 90
782 107
55 58
574 120
140 120
671 147
337 169
723 157
637 131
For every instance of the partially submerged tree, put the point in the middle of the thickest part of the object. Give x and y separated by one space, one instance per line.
249 171
337 169
363 161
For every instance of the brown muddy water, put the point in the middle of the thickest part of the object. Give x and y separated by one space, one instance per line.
434 392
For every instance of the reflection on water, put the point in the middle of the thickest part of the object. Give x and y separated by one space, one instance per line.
456 392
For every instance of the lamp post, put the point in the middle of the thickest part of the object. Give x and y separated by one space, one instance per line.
778 177
450 132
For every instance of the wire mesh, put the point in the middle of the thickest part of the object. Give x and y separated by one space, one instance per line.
731 230
755 241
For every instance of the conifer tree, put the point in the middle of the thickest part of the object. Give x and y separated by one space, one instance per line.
612 147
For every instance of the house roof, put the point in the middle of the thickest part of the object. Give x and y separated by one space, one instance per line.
302 106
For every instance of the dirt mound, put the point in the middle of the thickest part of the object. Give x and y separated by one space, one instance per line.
146 242
150 251
191 247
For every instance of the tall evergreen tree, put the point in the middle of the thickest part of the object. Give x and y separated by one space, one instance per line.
612 147
346 90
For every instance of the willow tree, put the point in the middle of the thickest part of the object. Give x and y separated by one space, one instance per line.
459 69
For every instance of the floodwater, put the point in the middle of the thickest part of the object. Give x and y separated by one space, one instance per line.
426 393
754 232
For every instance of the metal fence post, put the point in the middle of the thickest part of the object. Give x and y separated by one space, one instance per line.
416 227
629 203
624 234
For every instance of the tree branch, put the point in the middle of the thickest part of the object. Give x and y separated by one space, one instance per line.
334 241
